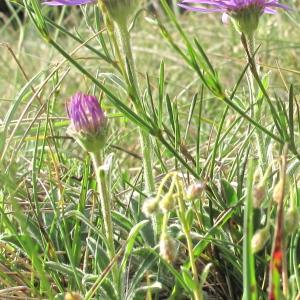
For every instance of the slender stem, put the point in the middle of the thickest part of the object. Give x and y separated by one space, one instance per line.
110 29
186 230
105 208
257 109
144 138
249 280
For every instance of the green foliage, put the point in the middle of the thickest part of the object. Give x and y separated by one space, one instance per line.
207 113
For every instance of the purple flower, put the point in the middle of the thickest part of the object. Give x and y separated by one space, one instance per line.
233 6
88 122
119 10
86 115
245 14
68 2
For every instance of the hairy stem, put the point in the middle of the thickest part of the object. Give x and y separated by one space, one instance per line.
105 208
145 140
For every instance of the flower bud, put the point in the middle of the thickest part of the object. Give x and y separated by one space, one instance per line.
260 239
168 248
150 207
259 193
167 203
195 190
292 220
72 296
279 191
88 122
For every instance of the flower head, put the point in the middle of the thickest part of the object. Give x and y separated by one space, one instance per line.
244 13
68 2
120 9
88 121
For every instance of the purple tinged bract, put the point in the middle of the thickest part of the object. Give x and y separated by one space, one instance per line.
86 115
88 122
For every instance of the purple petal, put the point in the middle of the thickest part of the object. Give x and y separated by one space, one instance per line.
68 2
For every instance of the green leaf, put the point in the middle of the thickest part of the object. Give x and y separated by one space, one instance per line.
229 193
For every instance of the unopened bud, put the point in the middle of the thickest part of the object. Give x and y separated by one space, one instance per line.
168 248
292 220
260 239
278 191
195 190
150 207
88 122
167 203
72 296
259 193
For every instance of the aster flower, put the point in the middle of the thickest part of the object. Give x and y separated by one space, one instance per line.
88 121
68 2
244 13
118 9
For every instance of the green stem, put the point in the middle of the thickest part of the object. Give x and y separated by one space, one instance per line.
105 208
249 280
145 140
110 29
257 108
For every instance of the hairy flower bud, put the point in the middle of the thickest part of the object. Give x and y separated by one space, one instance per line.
168 248
292 220
72 296
195 190
88 122
167 203
260 239
150 207
259 194
280 190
